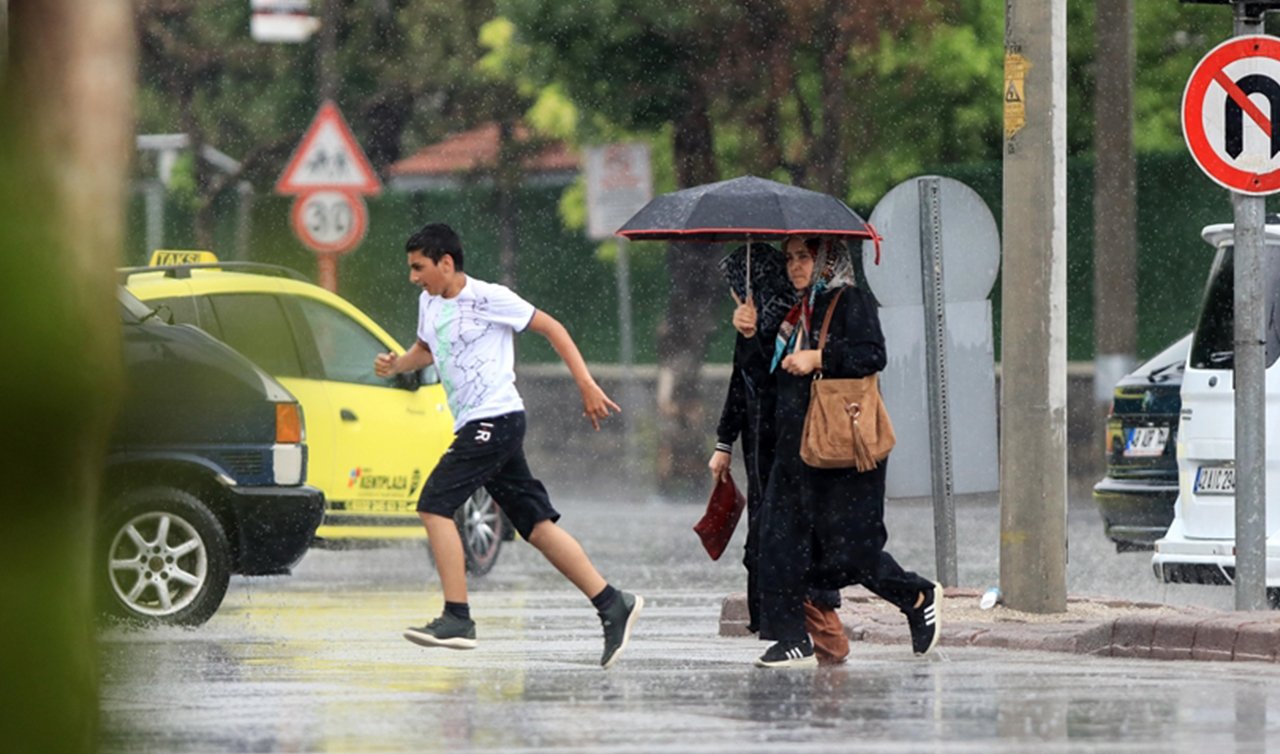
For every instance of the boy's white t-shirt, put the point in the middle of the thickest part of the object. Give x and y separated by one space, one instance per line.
470 336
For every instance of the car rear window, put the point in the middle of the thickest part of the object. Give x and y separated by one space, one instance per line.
1214 344
255 325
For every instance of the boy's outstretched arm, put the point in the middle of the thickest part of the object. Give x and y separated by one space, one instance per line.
417 357
595 404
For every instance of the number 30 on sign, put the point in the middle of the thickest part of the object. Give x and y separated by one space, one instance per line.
330 221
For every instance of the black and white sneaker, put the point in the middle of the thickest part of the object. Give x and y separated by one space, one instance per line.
617 621
789 654
925 622
446 631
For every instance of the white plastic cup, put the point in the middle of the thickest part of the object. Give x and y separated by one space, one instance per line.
990 598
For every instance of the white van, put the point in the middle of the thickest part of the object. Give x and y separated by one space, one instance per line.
1199 547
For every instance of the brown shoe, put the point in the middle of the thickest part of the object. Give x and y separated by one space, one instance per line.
830 644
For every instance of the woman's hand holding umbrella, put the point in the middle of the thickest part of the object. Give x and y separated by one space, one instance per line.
744 317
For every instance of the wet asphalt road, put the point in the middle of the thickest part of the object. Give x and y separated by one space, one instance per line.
315 662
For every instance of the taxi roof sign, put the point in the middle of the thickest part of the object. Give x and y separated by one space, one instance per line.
168 257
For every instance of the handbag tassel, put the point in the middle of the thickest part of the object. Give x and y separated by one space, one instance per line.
862 458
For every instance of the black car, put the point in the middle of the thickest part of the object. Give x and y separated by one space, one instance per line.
1136 496
204 476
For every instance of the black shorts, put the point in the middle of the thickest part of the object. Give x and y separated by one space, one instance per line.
489 453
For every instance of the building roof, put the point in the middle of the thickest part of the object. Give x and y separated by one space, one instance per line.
477 149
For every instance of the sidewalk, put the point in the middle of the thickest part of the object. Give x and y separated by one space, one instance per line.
1094 626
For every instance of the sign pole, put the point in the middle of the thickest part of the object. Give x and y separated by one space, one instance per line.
935 339
620 182
330 176
1250 381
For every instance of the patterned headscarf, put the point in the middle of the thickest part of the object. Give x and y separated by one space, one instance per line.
832 268
770 288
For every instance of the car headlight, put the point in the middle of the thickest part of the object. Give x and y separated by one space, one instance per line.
288 463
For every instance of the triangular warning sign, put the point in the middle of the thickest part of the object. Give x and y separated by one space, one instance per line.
328 157
1011 94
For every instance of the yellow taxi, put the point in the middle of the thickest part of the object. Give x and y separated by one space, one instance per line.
372 441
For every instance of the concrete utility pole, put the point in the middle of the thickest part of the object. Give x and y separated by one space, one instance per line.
1115 239
1033 393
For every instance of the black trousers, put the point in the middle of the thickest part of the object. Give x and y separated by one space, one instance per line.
824 528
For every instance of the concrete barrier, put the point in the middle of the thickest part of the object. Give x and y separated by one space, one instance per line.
564 451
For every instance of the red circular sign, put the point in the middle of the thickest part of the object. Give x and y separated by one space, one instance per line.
330 221
1233 140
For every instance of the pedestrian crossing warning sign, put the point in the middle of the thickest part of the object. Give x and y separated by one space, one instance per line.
328 158
1015 105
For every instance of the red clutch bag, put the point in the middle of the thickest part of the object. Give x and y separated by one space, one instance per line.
723 511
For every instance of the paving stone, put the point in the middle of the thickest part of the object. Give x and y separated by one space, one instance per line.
1174 636
1215 639
1131 636
1257 642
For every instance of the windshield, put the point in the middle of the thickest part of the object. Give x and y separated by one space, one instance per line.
132 311
1214 345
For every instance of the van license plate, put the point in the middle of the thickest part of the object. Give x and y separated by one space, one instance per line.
1146 441
1216 480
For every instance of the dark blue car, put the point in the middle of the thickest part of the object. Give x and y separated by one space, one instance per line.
1136 496
204 477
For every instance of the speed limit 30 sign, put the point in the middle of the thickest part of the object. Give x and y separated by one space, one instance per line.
330 221
1231 114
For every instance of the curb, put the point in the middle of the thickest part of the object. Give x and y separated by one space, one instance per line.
1092 626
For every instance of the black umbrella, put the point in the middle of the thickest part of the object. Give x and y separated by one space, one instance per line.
746 207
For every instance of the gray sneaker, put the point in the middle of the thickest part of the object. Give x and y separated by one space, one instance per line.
617 621
446 631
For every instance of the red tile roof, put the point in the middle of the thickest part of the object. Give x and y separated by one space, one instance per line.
478 149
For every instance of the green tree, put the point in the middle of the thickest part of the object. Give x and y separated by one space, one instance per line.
66 100
1169 39
823 93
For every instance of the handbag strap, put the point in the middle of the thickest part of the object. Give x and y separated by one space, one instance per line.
826 324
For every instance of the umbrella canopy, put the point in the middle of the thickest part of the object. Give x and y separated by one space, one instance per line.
741 208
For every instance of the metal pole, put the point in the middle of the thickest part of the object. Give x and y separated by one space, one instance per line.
935 348
154 195
1033 386
1250 383
244 220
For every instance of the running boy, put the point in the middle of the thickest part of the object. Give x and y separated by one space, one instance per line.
465 328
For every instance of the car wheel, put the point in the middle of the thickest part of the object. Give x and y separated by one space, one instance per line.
1273 598
481 525
164 558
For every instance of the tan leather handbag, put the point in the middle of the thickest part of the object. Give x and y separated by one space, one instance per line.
847 425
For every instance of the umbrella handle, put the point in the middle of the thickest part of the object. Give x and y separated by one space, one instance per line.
748 280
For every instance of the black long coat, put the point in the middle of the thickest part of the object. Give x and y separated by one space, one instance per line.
825 527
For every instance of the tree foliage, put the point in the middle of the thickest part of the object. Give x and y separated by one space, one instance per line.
66 96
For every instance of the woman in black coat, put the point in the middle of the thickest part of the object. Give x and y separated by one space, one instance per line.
824 527
748 415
